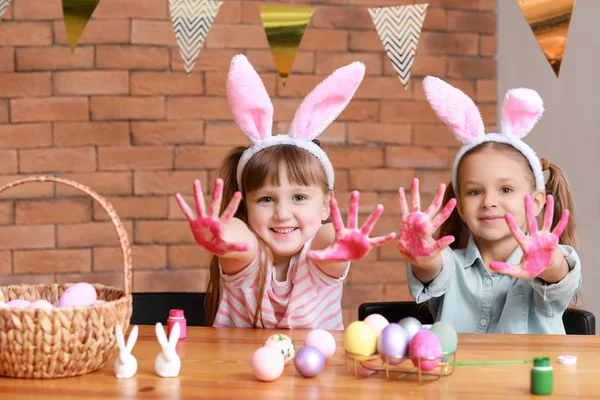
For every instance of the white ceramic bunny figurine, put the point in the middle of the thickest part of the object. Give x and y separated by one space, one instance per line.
125 363
167 363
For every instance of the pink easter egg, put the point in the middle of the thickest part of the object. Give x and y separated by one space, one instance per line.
79 294
322 340
42 304
377 322
19 303
267 363
425 344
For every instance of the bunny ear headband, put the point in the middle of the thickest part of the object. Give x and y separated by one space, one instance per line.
520 111
253 111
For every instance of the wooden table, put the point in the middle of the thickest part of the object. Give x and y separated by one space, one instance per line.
215 364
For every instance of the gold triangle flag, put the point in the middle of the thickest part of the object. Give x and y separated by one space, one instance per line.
3 6
76 14
399 29
285 26
549 21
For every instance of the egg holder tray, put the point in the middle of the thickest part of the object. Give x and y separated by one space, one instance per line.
366 365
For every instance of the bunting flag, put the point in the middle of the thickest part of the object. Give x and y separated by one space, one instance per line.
3 6
191 21
285 26
399 29
549 21
76 14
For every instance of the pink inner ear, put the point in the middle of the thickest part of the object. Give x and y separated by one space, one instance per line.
521 110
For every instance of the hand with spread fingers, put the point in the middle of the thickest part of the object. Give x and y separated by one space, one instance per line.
351 243
209 229
416 242
540 249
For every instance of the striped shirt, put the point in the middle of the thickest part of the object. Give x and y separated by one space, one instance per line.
308 298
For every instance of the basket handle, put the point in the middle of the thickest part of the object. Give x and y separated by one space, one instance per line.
123 237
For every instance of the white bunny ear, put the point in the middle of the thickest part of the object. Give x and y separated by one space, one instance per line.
174 335
455 109
327 100
133 335
120 338
520 111
161 335
248 99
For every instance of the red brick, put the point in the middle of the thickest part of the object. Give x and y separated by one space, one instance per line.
6 217
434 43
341 17
89 234
329 62
111 258
57 211
26 237
27 84
132 57
134 207
299 85
199 157
435 20
434 135
473 68
165 83
262 60
188 256
122 107
487 5
49 109
138 158
191 280
454 4
8 12
195 108
379 133
166 182
27 279
416 157
251 12
486 91
26 34
90 82
376 272
131 9
407 111
7 59
365 41
26 191
354 295
5 264
58 160
105 183
227 36
465 21
488 114
91 133
111 279
334 134
8 161
325 40
208 60
53 58
230 11
383 87
167 132
3 111
397 292
52 261
356 157
156 33
38 10
424 65
380 179
224 133
95 32
429 181
360 110
163 232
487 45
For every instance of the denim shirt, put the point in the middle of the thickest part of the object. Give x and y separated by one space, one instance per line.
472 299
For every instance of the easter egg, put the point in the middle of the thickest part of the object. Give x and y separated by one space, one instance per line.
19 303
377 322
411 325
267 363
360 339
284 344
322 340
309 361
447 335
425 344
393 343
78 294
43 304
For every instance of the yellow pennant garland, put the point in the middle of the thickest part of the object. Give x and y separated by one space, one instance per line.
549 21
285 27
77 13
3 6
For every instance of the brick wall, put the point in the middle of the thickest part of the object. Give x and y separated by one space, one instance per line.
121 116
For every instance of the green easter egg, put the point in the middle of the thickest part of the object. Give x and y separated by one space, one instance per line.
447 334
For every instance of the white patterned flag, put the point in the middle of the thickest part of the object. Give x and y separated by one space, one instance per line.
191 21
3 6
399 29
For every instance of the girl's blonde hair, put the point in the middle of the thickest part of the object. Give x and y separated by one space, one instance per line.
263 168
557 185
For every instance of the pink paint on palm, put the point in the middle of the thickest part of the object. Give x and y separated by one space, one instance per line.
351 243
539 247
209 229
416 234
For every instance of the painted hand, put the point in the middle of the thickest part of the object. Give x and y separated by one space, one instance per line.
539 247
209 229
416 242
351 243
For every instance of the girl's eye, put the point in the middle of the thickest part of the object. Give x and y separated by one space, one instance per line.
506 190
474 192
299 197
265 199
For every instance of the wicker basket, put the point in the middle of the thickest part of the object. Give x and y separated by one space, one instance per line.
63 341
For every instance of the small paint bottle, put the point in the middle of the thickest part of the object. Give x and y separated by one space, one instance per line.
176 317
542 376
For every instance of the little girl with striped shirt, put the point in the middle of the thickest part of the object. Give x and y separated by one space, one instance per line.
276 263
